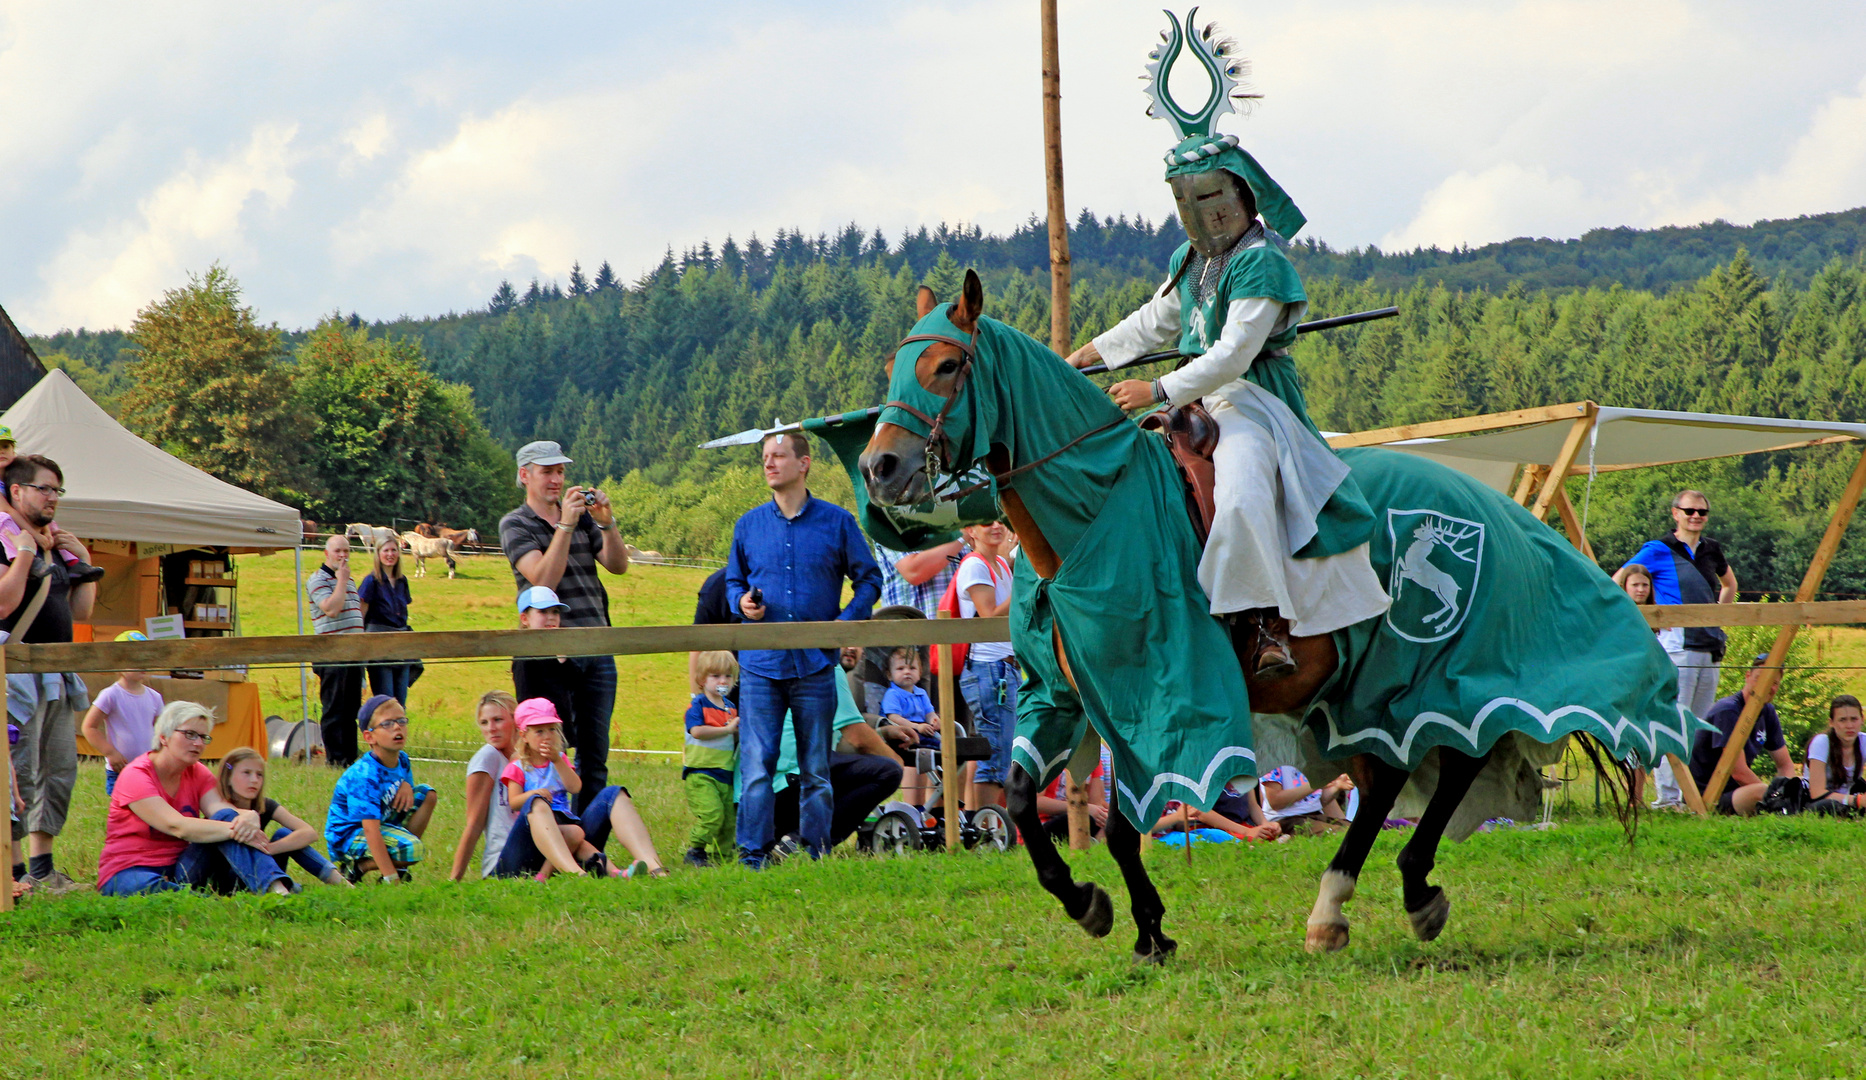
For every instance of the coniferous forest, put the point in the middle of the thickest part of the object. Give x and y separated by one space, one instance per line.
1767 319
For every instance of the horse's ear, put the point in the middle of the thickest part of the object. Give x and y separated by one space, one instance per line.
924 301
971 302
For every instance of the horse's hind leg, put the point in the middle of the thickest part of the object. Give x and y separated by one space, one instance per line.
1152 945
1426 905
1379 784
1087 903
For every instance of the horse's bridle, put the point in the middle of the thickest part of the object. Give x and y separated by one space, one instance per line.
938 446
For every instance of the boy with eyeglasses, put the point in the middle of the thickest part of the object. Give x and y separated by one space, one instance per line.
377 811
1688 567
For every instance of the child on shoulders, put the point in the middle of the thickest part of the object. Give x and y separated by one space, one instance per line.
377 811
709 760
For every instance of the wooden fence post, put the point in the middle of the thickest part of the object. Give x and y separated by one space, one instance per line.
1778 655
1080 836
1062 333
949 744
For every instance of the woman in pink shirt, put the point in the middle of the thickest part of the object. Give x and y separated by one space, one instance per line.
169 828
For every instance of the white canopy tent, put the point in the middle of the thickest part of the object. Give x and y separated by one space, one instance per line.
122 488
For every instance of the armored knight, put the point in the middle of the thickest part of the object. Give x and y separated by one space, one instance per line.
1288 550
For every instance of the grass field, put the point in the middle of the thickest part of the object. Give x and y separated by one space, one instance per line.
651 692
1710 948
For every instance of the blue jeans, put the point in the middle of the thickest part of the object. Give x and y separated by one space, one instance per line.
110 781
314 864
223 866
811 702
521 858
994 714
391 679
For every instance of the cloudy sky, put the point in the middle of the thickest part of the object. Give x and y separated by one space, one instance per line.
404 158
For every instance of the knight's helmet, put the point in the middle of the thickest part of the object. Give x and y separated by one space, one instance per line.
1215 213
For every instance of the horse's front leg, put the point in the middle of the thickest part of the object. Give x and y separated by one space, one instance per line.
1087 903
1427 909
1379 785
1152 945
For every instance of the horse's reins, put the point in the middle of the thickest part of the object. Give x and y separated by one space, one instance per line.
938 445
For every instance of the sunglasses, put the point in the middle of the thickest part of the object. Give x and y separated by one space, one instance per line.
1693 511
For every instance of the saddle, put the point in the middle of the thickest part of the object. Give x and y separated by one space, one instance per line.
1191 434
1261 636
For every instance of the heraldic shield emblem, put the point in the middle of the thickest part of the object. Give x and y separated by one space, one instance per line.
1437 563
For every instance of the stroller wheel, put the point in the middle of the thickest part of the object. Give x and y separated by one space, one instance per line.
895 834
994 829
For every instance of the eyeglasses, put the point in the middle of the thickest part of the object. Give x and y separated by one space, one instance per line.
389 722
193 736
46 489
1693 511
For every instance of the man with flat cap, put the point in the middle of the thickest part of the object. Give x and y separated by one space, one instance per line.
557 539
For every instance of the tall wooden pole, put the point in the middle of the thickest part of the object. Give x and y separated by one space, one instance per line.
1061 334
1778 655
948 744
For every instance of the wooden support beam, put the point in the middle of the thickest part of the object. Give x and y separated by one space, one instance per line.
1558 469
1062 334
1464 425
199 654
1081 835
950 778
1688 784
1571 523
1532 480
1772 670
1787 613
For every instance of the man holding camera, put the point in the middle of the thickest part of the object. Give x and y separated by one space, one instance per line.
557 539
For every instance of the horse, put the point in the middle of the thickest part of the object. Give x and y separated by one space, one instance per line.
969 371
424 548
371 536
427 530
460 538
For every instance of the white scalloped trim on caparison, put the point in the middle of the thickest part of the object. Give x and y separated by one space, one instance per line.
1611 733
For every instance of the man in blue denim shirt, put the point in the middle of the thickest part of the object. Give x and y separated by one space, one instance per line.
789 558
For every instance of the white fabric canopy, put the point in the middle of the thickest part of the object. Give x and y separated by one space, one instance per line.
1624 437
122 488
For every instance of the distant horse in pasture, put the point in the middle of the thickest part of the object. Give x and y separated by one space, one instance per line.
427 530
461 538
424 548
371 536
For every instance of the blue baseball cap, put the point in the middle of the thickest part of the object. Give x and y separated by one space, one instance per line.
540 598
368 711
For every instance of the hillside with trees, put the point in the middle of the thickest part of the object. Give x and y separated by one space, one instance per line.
1767 319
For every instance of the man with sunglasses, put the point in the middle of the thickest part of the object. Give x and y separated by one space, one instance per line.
1689 568
39 601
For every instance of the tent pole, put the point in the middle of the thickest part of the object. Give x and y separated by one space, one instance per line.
1778 655
304 677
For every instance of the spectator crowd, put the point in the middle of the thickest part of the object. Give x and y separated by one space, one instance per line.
786 752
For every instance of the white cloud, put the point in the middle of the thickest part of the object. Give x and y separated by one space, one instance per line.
144 142
195 217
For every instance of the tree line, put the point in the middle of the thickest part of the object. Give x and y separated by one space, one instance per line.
631 377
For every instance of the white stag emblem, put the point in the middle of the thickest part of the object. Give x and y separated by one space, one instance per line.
1449 583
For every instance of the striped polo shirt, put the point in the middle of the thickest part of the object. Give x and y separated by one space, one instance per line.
523 531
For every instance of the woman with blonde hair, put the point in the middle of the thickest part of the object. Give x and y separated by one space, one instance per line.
384 595
169 828
241 780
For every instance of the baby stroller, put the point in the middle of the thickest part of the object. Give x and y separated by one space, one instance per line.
899 827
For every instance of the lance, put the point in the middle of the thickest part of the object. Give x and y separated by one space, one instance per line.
754 436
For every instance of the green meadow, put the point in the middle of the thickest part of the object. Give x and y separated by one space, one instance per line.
1708 948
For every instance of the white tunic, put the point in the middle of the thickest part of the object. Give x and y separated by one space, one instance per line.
1247 563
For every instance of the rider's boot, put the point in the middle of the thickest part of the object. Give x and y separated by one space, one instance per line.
1264 637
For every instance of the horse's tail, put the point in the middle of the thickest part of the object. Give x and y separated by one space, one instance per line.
1617 777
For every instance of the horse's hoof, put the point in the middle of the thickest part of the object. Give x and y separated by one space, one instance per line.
1429 921
1326 937
1164 949
1098 920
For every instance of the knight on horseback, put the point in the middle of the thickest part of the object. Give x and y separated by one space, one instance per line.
1288 547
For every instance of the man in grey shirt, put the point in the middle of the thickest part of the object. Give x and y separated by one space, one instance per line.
335 609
